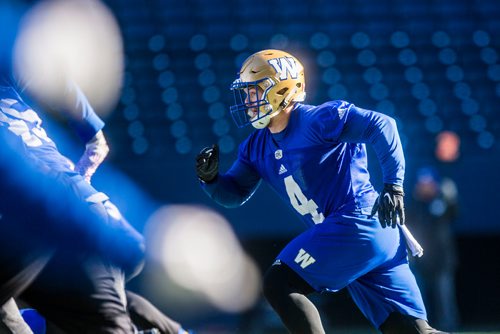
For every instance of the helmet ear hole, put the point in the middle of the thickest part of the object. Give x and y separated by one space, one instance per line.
282 91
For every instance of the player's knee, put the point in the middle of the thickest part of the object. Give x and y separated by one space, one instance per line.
120 242
129 249
136 261
274 283
280 281
397 323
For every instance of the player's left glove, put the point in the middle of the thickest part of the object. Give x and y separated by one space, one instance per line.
390 206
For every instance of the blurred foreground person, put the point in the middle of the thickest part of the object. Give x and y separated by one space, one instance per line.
80 250
314 157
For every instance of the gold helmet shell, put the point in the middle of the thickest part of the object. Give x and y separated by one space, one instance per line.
280 77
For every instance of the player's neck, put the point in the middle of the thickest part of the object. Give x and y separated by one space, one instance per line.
279 122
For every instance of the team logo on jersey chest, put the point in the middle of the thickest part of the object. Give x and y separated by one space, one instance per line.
278 154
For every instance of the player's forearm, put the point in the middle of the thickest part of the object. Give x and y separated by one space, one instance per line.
387 145
84 119
226 191
381 132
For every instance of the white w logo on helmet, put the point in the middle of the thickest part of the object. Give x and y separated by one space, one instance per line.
285 66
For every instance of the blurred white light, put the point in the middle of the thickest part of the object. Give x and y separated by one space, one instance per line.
62 41
199 252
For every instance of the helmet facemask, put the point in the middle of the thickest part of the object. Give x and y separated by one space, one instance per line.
251 108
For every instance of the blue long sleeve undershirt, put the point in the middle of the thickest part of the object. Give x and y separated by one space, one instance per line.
235 187
380 131
85 121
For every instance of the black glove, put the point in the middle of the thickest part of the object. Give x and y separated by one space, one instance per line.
390 206
207 163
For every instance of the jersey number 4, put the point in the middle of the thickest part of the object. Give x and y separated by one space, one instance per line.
300 202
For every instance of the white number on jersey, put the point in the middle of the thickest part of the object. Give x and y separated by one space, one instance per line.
300 202
19 123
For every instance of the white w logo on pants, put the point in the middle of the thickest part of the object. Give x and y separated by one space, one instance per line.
285 66
304 259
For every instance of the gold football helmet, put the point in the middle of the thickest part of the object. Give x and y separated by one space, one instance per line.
268 81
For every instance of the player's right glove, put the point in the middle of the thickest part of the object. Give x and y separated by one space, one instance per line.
390 206
207 164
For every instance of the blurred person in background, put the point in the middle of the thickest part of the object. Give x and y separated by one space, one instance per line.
89 283
314 157
434 208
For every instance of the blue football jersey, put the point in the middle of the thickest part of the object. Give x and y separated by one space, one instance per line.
308 166
318 163
23 122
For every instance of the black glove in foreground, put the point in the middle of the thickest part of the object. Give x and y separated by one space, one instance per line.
207 163
390 206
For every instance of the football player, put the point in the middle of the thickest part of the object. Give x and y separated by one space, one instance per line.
73 274
315 158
